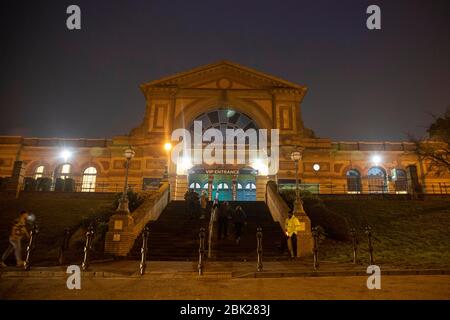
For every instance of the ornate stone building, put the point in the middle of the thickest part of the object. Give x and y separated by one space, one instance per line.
221 95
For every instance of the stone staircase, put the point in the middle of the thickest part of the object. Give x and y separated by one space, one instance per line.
174 236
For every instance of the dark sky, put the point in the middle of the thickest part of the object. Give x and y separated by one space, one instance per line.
363 85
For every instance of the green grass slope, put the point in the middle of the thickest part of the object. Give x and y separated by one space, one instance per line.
407 233
53 215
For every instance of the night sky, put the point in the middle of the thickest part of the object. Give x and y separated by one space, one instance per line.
363 85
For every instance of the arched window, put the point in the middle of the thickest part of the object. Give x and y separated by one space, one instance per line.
239 186
353 181
377 180
206 186
89 178
222 186
39 172
401 181
250 186
64 171
194 185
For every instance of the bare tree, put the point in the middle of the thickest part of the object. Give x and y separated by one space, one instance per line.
435 148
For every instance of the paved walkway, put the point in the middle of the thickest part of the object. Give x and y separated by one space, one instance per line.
224 280
392 287
223 269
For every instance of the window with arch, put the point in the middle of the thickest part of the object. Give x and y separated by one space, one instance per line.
206 185
377 180
194 185
250 186
39 172
239 186
222 186
353 181
89 179
64 171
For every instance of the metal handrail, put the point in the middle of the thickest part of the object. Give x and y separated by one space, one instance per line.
201 250
211 230
30 247
144 249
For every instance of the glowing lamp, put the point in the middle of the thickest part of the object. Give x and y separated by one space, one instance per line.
66 154
376 159
129 154
167 146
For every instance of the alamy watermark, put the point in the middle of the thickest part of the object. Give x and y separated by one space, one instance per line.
374 280
238 143
74 280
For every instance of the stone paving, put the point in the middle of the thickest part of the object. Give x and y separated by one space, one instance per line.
285 280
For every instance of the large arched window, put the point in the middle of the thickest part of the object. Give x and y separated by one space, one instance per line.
377 180
223 119
353 181
89 178
39 172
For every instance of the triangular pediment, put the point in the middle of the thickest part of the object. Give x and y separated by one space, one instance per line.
222 75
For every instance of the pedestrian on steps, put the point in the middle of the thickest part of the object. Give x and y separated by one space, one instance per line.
18 232
292 226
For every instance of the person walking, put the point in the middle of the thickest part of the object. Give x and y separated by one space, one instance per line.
239 219
18 232
292 225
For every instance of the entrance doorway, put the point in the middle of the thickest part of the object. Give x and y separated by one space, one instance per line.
224 184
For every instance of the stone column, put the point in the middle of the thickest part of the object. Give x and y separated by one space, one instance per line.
261 182
210 187
234 188
304 235
120 236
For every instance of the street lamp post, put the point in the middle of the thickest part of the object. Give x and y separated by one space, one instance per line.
296 156
123 202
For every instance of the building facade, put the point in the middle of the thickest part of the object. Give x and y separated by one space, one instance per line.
223 96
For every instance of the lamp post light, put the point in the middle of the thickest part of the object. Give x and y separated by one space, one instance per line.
123 202
296 156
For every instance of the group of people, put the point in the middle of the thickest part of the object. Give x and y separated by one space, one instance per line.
222 213
19 232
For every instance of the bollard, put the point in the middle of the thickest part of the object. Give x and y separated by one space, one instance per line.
144 247
201 250
259 249
31 246
87 247
64 246
355 244
369 243
315 234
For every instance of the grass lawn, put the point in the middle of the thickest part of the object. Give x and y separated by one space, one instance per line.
53 215
407 233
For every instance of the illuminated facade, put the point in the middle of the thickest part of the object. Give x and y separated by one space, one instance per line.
221 95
